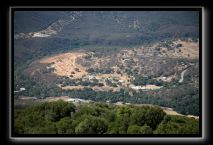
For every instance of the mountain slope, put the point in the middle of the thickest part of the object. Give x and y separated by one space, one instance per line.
128 56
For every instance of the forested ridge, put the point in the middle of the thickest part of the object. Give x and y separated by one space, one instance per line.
62 117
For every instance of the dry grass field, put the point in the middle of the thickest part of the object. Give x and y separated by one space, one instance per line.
65 64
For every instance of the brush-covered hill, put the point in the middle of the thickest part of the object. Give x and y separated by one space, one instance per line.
41 32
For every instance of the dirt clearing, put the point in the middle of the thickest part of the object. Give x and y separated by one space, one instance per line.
65 64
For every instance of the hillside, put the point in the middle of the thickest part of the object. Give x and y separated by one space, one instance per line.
115 57
165 71
38 32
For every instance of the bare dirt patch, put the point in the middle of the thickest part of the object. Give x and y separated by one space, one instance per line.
73 88
189 50
171 112
50 99
151 87
65 64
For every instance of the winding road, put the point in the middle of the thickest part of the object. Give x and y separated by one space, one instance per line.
182 76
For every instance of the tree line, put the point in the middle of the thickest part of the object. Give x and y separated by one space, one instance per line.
61 117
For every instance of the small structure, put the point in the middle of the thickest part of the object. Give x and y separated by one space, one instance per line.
76 100
50 67
22 89
119 103
135 87
90 77
121 81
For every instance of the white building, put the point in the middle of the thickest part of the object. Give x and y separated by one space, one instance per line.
76 100
49 67
119 103
121 81
135 87
22 89
90 77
